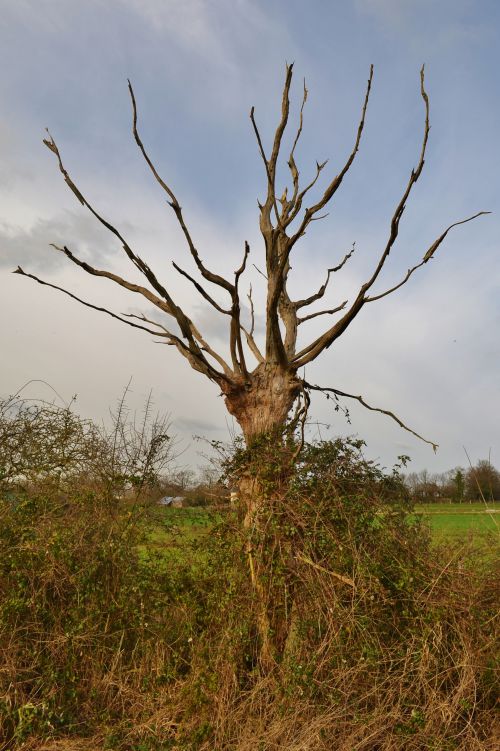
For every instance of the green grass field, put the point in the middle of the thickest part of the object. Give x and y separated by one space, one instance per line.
477 522
454 521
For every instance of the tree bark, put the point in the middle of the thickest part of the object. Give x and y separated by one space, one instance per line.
261 403
261 406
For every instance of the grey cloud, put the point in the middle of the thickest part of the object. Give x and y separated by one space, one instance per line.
31 247
197 427
215 325
12 170
11 174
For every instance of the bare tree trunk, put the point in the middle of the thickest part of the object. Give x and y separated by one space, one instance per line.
261 408
261 405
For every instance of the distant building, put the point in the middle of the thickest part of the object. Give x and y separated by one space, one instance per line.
171 501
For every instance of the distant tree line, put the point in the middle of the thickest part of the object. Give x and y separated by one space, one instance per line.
478 483
197 488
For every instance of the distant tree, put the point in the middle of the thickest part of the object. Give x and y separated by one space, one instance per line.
483 482
458 485
424 487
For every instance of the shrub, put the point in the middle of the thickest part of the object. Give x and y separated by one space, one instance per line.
388 643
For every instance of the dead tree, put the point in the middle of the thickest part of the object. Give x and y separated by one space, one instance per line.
260 396
261 384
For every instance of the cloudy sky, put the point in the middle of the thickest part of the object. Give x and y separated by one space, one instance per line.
430 352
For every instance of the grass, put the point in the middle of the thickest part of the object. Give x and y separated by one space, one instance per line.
452 520
177 532
460 508
475 522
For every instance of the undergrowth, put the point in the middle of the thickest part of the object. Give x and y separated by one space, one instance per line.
390 643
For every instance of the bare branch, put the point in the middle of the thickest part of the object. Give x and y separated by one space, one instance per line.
197 335
239 271
337 181
252 345
142 317
299 199
20 271
192 353
174 203
291 160
157 301
200 289
271 195
285 109
261 147
210 351
415 174
427 257
343 262
138 140
252 311
235 343
318 295
260 272
301 121
322 313
136 260
360 399
249 334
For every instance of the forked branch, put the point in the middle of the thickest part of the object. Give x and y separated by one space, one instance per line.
312 351
337 181
174 203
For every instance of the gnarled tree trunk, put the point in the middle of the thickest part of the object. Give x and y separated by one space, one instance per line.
261 405
262 402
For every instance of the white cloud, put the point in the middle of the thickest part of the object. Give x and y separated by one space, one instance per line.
31 246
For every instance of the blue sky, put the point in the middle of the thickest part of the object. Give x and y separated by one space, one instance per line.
430 352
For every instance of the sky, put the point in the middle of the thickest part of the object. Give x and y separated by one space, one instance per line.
429 352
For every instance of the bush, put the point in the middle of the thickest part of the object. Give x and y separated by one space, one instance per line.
88 627
388 643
